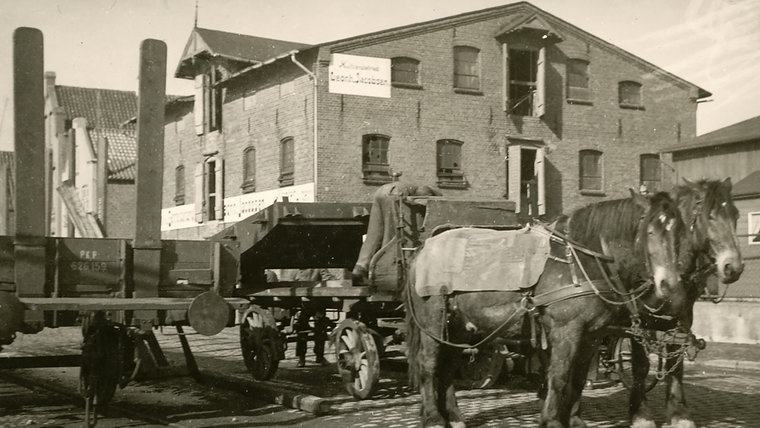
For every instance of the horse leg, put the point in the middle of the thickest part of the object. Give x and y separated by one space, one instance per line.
586 352
641 414
428 359
448 406
556 410
677 411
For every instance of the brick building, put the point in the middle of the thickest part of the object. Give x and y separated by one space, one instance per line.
90 194
506 102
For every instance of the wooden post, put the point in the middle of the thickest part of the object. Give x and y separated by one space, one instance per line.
149 182
29 134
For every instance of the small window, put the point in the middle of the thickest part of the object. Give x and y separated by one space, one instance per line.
375 166
405 72
449 163
649 172
753 228
249 170
590 170
467 68
629 95
287 161
211 190
179 185
578 80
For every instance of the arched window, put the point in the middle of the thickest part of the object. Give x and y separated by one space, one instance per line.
590 170
249 170
629 95
179 185
287 161
467 68
405 71
375 165
578 87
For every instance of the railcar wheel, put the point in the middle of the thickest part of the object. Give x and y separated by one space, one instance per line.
358 359
621 358
481 370
258 341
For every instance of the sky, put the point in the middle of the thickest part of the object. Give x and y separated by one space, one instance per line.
714 44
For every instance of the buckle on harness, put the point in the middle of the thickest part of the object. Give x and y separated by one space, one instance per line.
527 304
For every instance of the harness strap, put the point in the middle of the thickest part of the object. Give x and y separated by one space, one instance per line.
568 292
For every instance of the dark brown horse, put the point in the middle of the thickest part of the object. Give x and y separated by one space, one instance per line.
572 301
710 247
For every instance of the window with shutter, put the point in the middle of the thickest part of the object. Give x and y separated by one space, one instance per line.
578 79
523 75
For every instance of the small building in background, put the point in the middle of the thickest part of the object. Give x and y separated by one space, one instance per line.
731 152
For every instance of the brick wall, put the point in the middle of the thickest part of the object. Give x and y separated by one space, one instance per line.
120 211
416 118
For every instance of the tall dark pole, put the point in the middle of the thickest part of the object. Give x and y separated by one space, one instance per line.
29 135
148 187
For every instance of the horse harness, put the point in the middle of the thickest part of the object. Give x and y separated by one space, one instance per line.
530 301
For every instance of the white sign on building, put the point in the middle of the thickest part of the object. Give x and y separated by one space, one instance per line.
360 75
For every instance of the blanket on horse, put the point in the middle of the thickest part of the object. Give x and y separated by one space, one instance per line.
470 259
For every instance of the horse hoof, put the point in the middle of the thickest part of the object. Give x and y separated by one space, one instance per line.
682 423
576 422
643 423
458 424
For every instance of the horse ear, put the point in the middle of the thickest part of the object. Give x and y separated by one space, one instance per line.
639 199
727 183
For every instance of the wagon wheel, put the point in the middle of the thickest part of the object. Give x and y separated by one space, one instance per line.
481 370
621 358
258 339
358 359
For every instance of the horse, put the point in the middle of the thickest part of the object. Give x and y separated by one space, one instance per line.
710 247
572 300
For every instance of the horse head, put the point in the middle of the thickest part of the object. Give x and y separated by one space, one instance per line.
660 233
711 215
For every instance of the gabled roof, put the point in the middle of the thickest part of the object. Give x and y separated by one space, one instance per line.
122 152
740 132
748 186
103 108
529 22
238 47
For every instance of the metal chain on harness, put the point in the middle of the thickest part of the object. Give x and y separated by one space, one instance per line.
659 346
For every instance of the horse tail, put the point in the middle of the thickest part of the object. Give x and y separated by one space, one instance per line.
412 329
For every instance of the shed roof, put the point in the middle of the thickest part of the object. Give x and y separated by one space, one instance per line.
748 186
122 152
103 108
740 132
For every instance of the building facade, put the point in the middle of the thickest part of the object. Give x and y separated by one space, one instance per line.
507 102
91 152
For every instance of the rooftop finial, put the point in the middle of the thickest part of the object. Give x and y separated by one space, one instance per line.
195 24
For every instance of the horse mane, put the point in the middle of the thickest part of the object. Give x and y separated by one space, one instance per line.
616 219
711 193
